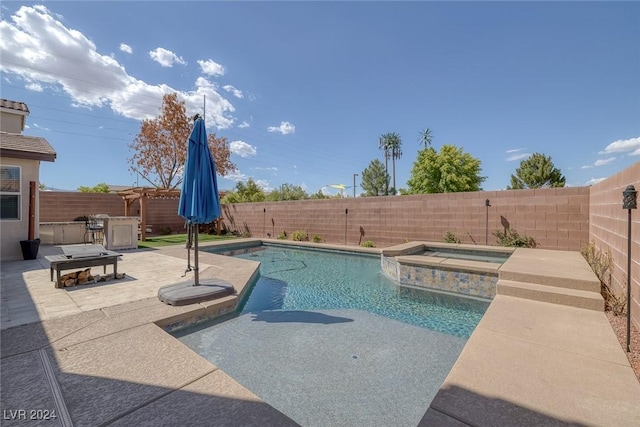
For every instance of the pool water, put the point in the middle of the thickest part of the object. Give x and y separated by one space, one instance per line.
299 279
327 339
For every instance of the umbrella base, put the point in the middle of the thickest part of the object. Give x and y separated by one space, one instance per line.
186 293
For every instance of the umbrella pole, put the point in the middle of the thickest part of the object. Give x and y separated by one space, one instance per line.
195 256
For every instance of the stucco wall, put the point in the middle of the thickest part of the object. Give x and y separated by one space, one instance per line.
609 230
11 122
14 231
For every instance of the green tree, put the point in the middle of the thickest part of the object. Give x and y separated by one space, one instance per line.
449 171
319 195
244 193
536 171
287 192
391 143
100 188
375 179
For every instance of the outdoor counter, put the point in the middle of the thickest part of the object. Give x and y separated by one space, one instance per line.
121 232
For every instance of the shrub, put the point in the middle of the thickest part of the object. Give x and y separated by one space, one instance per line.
511 238
368 244
300 236
165 231
601 265
317 238
283 235
450 237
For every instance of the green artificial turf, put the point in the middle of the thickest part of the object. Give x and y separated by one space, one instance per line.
178 239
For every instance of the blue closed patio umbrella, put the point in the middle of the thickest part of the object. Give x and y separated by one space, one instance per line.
199 204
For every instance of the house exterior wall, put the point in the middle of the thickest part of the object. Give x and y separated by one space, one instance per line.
12 231
11 122
608 229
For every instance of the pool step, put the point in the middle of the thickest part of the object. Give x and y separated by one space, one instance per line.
550 268
552 294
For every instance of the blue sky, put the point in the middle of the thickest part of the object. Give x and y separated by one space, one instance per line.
303 90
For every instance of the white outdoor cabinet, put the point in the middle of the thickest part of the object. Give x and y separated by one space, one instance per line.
62 233
121 232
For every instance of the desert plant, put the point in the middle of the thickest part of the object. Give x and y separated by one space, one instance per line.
283 235
450 237
601 265
317 238
300 236
368 244
511 238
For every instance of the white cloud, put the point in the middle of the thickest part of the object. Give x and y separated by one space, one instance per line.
624 145
243 125
284 128
603 162
235 92
235 176
514 150
264 184
517 156
37 126
211 68
71 62
125 48
36 87
593 181
600 162
271 168
165 57
242 149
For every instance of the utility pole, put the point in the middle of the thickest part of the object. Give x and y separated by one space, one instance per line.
354 185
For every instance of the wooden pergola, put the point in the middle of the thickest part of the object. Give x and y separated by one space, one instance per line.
142 194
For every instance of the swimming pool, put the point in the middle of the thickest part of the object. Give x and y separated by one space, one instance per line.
326 338
304 279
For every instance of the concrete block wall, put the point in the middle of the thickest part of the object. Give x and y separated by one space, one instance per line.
66 206
608 229
557 218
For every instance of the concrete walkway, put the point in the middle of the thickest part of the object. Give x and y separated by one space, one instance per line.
98 358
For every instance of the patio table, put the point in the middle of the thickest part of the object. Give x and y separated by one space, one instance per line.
81 257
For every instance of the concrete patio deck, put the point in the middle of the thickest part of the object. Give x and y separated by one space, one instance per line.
97 355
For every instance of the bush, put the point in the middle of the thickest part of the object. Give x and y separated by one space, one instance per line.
601 265
368 244
511 238
300 236
283 235
165 231
450 237
317 238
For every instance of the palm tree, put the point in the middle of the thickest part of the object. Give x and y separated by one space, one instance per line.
426 137
392 144
382 145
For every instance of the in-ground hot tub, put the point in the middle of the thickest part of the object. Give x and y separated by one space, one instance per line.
453 268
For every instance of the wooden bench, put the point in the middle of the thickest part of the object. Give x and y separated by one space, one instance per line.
65 262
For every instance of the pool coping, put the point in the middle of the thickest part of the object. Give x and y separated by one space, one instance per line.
527 360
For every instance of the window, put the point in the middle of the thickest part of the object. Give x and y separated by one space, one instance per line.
9 192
